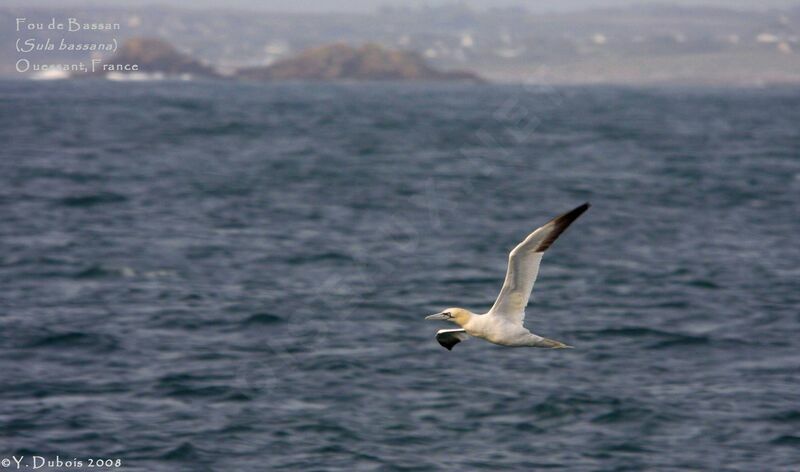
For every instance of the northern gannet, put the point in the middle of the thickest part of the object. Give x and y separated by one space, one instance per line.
502 324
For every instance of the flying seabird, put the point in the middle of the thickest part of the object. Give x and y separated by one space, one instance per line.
502 324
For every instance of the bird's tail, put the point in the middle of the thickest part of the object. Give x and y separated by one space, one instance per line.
552 344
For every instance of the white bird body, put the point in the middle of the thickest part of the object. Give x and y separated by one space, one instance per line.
497 330
503 323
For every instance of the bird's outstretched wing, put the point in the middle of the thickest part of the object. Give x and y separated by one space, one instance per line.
523 266
450 337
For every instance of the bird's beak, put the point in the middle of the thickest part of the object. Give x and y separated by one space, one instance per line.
437 316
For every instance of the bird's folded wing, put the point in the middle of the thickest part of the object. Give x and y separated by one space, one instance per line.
523 266
450 337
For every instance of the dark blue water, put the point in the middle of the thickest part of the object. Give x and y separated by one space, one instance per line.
216 276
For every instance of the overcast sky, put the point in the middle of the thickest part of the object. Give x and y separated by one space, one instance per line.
371 5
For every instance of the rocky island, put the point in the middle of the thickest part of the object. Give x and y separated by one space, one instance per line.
154 56
344 62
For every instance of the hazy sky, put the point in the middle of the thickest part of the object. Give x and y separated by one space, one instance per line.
370 5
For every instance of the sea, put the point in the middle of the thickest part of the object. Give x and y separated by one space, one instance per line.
222 276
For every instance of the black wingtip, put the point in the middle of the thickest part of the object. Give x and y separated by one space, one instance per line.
578 210
448 344
567 218
561 223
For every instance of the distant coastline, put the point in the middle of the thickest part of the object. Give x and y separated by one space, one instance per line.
151 58
369 62
636 45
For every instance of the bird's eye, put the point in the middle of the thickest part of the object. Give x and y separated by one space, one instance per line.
447 313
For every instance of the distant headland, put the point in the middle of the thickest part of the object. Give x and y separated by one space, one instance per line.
334 62
155 57
344 62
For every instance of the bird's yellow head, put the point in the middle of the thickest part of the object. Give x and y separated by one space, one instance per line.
458 316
